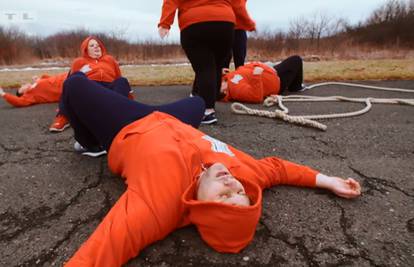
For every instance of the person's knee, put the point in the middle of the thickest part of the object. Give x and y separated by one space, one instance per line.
74 84
74 81
297 59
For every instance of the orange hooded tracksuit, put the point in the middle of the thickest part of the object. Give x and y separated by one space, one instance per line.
242 24
103 69
161 159
46 90
195 11
244 86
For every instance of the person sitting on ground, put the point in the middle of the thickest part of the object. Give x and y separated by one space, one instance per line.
43 89
98 66
176 175
255 81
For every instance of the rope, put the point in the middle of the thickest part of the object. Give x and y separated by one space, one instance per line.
309 120
239 108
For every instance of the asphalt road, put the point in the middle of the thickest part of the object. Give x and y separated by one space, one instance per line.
52 198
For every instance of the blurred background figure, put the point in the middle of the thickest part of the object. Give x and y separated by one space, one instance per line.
43 89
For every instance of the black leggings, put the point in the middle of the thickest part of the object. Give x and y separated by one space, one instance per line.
97 115
120 85
207 45
239 50
290 72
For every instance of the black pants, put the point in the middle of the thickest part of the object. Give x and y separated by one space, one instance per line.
97 115
239 49
290 72
207 45
120 85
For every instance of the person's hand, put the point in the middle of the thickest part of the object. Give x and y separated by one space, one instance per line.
2 93
85 68
224 71
35 78
163 32
346 188
258 70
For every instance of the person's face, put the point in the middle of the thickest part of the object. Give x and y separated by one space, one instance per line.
94 49
218 185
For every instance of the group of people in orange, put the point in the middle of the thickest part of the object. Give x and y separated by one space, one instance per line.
175 174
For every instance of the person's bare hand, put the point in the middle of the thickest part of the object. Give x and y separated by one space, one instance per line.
346 188
35 78
2 93
163 32
258 70
224 71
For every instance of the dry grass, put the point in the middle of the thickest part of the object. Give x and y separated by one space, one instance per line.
392 69
395 69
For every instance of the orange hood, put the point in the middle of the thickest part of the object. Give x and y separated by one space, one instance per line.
84 46
216 221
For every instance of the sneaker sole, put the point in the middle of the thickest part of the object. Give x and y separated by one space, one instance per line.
56 130
94 154
209 122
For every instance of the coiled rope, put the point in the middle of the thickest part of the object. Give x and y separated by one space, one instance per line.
309 120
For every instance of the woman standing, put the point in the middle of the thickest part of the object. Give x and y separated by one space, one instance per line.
239 50
207 33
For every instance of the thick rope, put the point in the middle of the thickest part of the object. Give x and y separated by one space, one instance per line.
308 120
239 108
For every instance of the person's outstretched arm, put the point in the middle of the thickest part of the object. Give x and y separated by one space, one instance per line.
288 173
273 171
127 228
23 101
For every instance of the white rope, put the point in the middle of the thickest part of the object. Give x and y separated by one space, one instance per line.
308 120
239 108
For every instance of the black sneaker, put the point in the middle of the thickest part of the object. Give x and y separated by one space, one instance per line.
91 152
209 118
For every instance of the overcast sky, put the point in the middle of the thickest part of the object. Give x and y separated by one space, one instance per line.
137 19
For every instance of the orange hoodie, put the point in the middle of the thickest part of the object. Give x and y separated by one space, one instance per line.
160 159
103 69
195 11
242 24
244 86
46 90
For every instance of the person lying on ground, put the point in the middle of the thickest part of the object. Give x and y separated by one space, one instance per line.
254 81
176 175
43 89
98 66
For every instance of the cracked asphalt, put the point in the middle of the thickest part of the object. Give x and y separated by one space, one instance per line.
52 198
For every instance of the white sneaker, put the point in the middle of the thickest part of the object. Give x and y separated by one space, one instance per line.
94 152
78 147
